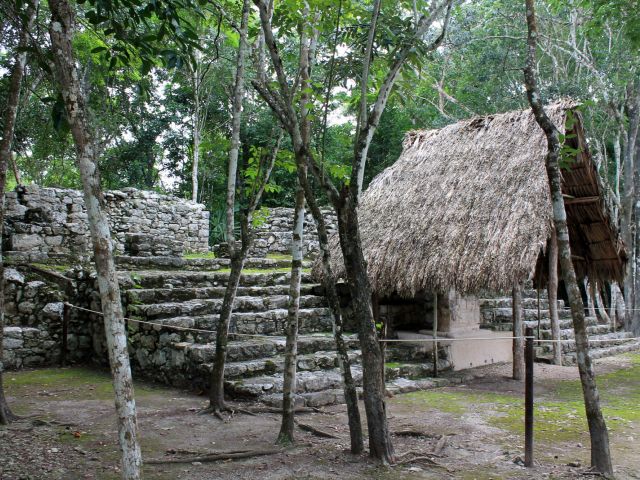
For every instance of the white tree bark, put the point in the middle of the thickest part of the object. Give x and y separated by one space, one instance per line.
10 114
285 437
61 32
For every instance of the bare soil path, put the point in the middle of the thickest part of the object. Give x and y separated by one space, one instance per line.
471 431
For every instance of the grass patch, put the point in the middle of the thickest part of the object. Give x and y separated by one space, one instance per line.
196 255
253 271
278 256
93 384
560 416
59 268
458 403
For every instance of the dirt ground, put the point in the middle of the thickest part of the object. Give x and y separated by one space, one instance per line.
477 428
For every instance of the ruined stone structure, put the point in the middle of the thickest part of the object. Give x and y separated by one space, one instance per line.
274 234
49 222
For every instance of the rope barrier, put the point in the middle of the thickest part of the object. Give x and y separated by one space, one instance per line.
385 340
164 325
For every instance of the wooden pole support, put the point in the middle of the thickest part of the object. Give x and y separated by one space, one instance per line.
435 334
528 399
66 313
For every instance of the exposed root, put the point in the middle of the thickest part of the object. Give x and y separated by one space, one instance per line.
315 431
215 457
442 443
412 433
264 409
217 412
426 459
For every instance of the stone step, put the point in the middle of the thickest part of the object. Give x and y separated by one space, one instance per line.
155 311
253 349
503 314
565 323
630 346
506 302
148 279
414 370
182 263
271 322
312 362
545 324
597 342
306 382
164 295
568 333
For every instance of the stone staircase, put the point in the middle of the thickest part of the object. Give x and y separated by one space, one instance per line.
183 304
496 314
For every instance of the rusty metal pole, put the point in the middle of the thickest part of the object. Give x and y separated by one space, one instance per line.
66 313
528 398
435 334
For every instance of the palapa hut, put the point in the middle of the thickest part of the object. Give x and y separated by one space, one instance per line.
467 209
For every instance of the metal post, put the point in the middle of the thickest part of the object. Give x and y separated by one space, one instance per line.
435 334
528 399
66 313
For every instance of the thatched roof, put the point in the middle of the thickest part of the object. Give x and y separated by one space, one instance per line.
468 207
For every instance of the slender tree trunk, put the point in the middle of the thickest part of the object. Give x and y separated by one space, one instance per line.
329 286
196 146
612 305
10 114
518 333
552 291
61 33
635 257
236 117
601 311
285 437
380 445
600 453
629 173
216 392
590 291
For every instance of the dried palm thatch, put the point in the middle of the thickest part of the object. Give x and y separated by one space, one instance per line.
468 207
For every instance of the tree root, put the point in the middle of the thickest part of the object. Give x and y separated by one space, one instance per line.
412 433
428 459
264 409
217 412
315 431
215 457
442 443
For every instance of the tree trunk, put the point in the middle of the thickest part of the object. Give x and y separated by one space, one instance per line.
236 116
10 114
601 311
600 452
590 291
196 147
552 291
61 33
518 333
216 388
329 286
629 173
620 307
285 437
380 445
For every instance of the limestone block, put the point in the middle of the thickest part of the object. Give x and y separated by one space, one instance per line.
12 343
13 275
23 242
53 310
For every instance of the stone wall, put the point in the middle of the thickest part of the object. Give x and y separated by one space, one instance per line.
33 312
51 222
274 235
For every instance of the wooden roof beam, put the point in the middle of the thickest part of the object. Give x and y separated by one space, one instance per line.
581 200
